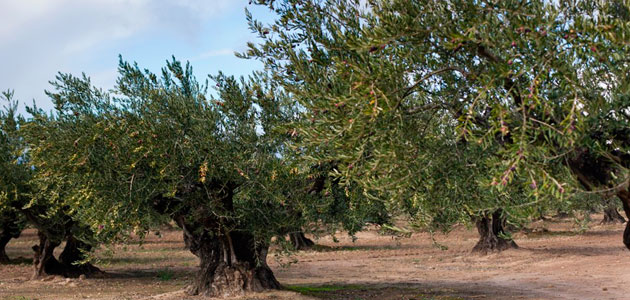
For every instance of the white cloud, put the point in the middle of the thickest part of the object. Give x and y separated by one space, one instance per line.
113 18
41 37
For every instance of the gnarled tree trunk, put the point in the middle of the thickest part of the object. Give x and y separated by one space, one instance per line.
624 195
44 263
9 230
4 240
72 254
230 265
490 228
232 261
300 241
611 215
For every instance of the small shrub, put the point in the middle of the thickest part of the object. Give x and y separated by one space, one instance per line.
165 274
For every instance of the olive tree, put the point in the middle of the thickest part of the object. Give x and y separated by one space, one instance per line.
159 148
13 175
24 200
457 107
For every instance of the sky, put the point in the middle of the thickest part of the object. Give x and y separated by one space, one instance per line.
39 38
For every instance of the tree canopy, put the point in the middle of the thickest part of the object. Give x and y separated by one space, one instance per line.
455 108
14 175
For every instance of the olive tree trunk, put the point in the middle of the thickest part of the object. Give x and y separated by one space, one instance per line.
9 230
232 261
70 260
44 263
300 241
491 228
4 240
611 215
72 256
231 264
624 195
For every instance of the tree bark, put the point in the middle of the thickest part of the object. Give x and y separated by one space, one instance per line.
4 240
490 228
611 215
300 241
72 254
44 263
230 264
231 261
9 230
624 195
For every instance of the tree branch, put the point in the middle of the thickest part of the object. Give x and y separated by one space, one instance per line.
508 83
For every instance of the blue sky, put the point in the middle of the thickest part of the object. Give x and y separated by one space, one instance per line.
39 38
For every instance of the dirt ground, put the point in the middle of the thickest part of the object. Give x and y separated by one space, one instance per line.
555 263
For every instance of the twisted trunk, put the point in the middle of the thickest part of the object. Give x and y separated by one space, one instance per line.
9 230
71 257
231 261
300 241
68 265
44 263
592 171
5 237
624 195
611 215
490 228
231 264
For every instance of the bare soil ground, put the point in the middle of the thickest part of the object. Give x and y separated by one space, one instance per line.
554 264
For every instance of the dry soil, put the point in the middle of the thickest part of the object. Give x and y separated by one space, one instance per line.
554 261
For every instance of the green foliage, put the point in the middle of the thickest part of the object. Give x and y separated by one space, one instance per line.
158 147
14 172
23 197
449 109
165 275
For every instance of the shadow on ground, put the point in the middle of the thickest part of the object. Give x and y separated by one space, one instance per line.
408 290
580 250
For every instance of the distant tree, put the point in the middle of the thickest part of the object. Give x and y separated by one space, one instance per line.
611 214
13 175
23 200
